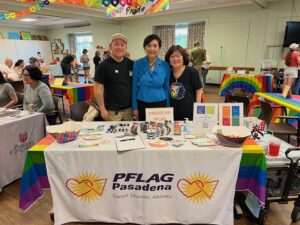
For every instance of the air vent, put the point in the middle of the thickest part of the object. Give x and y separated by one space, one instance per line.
73 25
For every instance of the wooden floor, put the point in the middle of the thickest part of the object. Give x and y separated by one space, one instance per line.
10 214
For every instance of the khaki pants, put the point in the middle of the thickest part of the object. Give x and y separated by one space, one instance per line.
120 115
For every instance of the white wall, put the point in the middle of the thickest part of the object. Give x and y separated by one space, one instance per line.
101 33
243 32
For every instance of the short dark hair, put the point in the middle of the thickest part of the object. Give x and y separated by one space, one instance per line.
34 72
150 38
2 79
32 60
19 62
183 52
85 50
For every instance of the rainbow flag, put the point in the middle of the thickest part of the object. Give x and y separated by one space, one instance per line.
75 92
34 178
252 175
249 83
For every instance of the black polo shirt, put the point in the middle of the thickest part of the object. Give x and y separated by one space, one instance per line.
67 59
116 78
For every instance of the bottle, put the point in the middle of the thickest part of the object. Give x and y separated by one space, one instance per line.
266 129
177 128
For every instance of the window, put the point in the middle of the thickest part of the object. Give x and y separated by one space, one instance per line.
181 35
83 41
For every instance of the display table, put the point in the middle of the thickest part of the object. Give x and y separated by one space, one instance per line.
248 83
68 166
292 104
17 135
74 92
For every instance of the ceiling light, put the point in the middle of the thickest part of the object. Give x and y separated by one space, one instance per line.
27 20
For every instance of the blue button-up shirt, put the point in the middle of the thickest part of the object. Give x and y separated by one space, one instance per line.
150 86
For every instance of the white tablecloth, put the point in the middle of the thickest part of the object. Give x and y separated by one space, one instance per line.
17 135
190 185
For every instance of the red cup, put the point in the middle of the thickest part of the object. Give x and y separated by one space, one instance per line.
274 148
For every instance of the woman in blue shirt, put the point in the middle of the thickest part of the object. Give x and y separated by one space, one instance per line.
150 80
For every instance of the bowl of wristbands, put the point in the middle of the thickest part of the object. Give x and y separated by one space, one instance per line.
65 132
231 136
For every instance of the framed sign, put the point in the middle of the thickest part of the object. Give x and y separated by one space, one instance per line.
205 117
160 114
25 35
231 114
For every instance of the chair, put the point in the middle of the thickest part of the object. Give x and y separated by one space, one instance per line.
18 86
281 128
242 99
53 115
77 110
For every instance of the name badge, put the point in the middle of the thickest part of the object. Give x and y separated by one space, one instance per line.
130 73
116 71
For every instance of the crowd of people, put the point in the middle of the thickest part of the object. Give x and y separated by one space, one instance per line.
125 88
36 94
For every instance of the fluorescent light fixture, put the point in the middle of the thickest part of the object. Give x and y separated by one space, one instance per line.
27 20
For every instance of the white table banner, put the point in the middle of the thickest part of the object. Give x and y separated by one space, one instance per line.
17 135
142 186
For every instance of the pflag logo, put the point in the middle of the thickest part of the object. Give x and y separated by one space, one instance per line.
86 186
197 187
23 137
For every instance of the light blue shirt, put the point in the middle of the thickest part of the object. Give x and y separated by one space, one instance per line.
150 86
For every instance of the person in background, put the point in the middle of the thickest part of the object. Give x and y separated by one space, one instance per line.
185 84
8 97
66 52
106 54
19 65
40 58
150 80
75 68
36 92
296 84
97 59
34 62
66 64
6 67
292 61
113 82
84 59
205 68
56 60
198 56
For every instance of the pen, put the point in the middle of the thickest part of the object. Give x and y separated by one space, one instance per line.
131 139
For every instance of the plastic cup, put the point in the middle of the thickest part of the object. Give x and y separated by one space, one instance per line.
274 148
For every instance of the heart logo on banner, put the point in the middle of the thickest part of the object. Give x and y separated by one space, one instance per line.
192 188
84 188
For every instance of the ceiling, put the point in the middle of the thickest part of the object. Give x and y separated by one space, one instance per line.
56 15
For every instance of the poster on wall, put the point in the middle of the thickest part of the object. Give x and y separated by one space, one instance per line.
57 46
147 7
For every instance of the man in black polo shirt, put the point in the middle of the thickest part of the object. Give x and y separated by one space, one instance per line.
113 82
